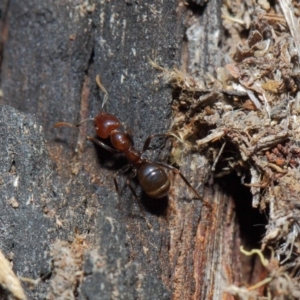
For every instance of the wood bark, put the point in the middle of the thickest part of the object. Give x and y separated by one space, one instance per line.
62 220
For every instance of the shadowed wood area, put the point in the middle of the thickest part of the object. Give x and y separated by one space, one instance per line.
62 220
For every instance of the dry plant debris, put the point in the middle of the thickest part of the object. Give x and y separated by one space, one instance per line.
246 119
67 268
9 282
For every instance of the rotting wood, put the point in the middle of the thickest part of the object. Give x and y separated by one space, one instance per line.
49 63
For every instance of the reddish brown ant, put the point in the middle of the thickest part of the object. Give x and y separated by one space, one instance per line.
152 176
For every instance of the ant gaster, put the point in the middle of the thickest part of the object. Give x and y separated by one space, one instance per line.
152 175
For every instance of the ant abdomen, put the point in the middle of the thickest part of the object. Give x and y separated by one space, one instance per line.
153 180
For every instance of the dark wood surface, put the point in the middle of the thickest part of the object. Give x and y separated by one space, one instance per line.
69 227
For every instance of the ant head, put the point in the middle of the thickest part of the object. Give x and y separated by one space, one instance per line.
105 123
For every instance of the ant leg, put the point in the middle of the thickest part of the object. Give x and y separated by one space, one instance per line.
62 124
173 169
129 177
102 144
150 137
122 170
137 199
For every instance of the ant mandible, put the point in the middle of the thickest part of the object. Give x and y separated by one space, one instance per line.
151 175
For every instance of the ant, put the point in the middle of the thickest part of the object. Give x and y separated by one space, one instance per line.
152 176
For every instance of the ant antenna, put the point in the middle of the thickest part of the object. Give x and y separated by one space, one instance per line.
102 88
61 124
